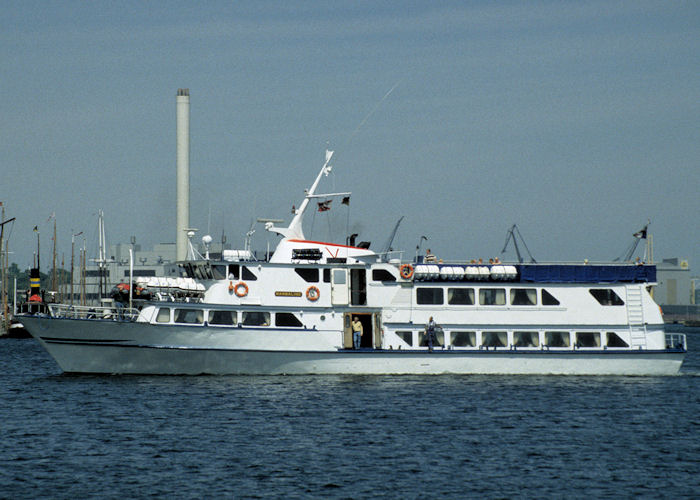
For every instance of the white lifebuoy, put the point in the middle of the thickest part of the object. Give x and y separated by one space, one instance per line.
241 289
313 293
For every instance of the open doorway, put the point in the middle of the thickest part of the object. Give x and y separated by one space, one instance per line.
366 319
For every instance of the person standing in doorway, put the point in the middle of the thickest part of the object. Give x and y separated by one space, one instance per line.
356 332
430 332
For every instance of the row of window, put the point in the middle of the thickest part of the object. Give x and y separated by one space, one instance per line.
230 271
226 318
497 296
562 339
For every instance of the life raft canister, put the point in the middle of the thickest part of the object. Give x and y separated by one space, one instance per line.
406 271
241 289
313 293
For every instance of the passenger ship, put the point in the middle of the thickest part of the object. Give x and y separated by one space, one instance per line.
292 314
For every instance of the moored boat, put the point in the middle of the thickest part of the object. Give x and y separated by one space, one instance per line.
295 313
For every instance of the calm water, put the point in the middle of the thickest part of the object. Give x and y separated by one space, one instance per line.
345 437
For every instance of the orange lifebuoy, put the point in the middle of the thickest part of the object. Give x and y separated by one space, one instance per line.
406 271
241 289
313 293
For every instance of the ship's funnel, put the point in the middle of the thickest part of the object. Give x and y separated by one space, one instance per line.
183 172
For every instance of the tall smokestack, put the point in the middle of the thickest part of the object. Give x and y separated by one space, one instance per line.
183 172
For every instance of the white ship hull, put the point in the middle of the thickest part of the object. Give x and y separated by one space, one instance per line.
133 348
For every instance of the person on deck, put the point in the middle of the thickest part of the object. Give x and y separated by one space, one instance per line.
429 257
356 332
430 331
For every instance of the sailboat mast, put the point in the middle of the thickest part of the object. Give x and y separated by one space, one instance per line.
53 273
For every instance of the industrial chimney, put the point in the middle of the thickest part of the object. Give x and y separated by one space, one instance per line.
183 172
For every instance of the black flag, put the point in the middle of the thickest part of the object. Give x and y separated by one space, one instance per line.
642 233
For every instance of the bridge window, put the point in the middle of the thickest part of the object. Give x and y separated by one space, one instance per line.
556 339
492 296
429 296
224 318
460 296
382 275
523 297
248 274
287 319
219 271
308 274
606 297
463 339
548 299
233 271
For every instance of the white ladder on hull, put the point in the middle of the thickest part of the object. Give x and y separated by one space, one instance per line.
635 316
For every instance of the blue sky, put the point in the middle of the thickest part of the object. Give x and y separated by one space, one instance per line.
576 120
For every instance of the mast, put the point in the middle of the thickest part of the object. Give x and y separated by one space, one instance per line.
53 273
3 266
101 255
294 230
83 258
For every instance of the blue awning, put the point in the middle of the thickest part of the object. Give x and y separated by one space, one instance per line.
586 273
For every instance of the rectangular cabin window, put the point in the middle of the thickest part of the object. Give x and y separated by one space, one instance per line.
163 315
429 296
308 274
463 339
256 318
219 271
339 276
614 340
233 271
557 339
223 318
606 297
588 339
439 336
523 297
460 296
189 316
406 336
548 299
492 296
287 319
326 275
382 275
494 339
526 339
248 275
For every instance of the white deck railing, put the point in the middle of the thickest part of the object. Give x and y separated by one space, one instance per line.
93 312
